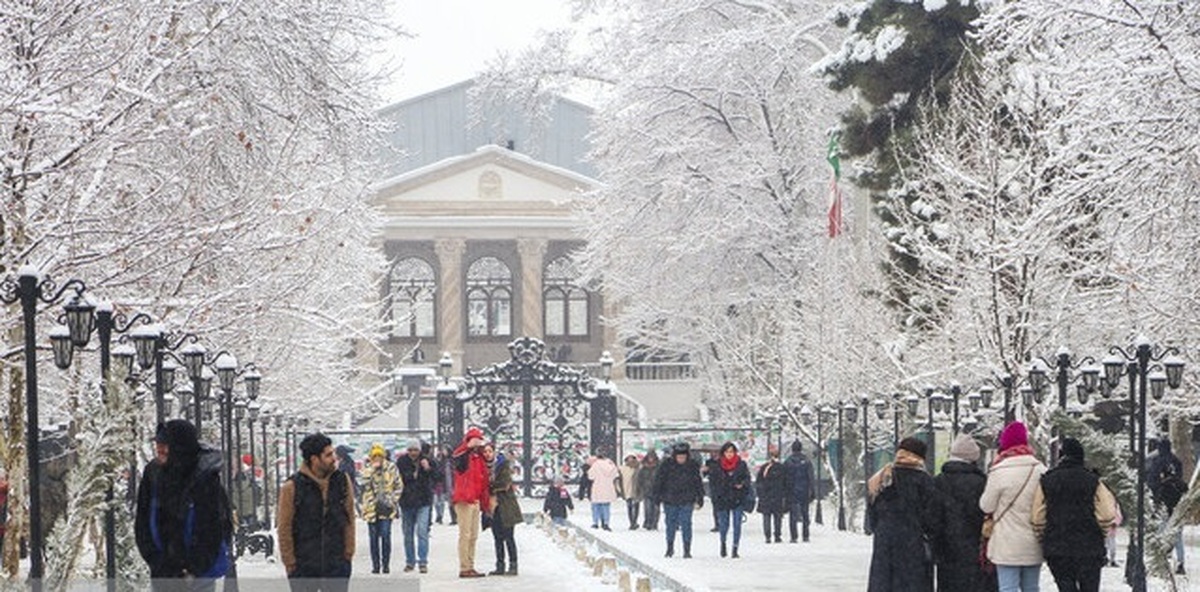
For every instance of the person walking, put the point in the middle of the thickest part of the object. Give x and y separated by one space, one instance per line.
729 482
956 547
472 497
1071 510
447 467
381 491
315 519
558 502
802 489
1011 484
440 485
678 485
419 475
585 483
603 475
183 521
629 489
905 511
773 486
506 514
710 466
645 484
346 464
1164 478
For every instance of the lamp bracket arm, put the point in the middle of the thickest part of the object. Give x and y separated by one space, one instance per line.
48 285
123 325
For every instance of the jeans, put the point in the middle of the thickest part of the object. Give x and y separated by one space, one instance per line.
724 518
559 520
601 513
1018 577
631 509
439 506
650 514
503 537
799 513
678 518
415 521
380 532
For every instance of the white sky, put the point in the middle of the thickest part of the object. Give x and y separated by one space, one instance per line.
452 39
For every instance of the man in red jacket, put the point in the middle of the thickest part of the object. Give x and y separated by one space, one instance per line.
471 487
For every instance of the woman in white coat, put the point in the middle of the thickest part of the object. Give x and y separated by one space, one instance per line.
1012 481
603 473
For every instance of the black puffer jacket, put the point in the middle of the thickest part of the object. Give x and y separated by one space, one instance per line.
956 547
187 485
1071 527
905 515
678 484
800 471
774 487
729 488
418 482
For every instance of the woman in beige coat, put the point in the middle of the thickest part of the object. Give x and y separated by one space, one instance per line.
1012 482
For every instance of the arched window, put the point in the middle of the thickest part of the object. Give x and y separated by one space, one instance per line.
412 292
565 304
489 298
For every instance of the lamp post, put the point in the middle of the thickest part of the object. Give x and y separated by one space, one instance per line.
268 458
252 410
29 288
227 373
866 451
933 401
1152 377
806 416
154 344
1086 367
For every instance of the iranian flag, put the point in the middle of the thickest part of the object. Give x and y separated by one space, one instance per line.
836 225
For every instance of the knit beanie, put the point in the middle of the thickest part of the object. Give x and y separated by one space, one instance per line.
1014 434
914 446
965 448
1072 448
377 450
797 446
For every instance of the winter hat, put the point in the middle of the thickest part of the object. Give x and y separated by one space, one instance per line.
1014 434
965 448
160 433
414 445
1072 448
377 450
247 459
473 433
914 446
181 437
681 448
797 446
344 450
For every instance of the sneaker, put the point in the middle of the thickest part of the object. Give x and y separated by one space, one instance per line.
408 568
424 569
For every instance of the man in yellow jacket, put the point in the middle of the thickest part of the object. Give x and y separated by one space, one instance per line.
316 520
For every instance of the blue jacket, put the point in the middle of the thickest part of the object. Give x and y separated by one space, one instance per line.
800 472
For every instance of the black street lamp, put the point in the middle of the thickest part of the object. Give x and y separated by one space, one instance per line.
227 373
252 410
1088 373
866 452
806 416
1152 378
29 288
154 346
268 458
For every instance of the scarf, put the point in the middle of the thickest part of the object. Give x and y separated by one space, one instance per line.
882 479
729 464
1019 450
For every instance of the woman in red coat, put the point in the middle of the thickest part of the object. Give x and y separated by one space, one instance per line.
471 498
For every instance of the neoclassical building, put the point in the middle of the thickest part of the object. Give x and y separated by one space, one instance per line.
479 232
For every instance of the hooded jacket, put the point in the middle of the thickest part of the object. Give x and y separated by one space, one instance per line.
189 484
471 474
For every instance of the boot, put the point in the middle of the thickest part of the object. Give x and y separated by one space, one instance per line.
512 569
687 550
499 571
735 555
670 551
723 552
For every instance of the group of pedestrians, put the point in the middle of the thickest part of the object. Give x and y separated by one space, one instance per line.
990 530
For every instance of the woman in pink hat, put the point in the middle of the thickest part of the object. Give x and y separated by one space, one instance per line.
1008 497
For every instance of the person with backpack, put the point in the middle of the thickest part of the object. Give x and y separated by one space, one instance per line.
184 524
1164 478
316 520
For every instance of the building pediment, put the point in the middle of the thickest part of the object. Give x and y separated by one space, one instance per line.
490 180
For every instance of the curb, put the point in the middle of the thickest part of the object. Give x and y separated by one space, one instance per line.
660 580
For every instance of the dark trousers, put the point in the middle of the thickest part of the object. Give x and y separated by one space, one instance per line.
1076 574
650 515
338 580
678 518
503 537
799 513
631 508
773 519
380 532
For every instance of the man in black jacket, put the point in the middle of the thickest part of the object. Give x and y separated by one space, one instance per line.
316 520
678 486
416 501
800 479
184 524
956 548
1072 510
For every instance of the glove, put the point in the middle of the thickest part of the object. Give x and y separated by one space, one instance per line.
699 503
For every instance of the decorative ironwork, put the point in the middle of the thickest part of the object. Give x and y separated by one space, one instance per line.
547 415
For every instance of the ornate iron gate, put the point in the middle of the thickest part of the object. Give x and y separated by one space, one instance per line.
552 412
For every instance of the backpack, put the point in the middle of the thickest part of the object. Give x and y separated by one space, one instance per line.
1171 485
221 563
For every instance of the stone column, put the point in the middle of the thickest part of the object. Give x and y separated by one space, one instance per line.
533 255
450 298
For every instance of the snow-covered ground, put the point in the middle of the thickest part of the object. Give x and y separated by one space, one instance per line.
832 561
